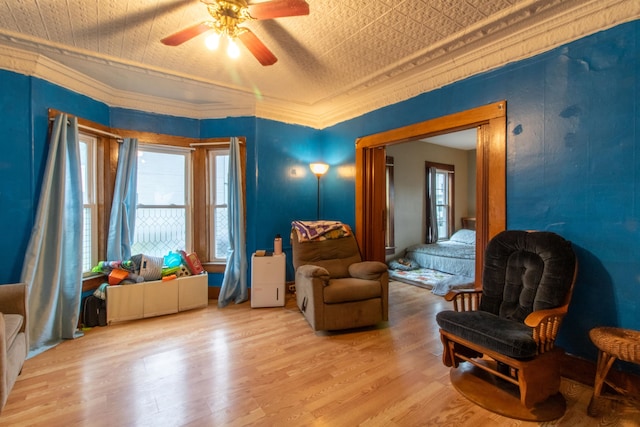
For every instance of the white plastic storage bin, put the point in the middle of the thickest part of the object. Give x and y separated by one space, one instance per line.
155 298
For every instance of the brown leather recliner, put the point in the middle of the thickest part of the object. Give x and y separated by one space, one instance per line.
14 345
335 289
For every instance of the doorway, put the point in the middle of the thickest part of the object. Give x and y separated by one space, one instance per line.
371 215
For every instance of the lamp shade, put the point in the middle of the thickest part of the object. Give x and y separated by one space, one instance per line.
319 169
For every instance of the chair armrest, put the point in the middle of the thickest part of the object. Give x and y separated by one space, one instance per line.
313 271
13 299
369 270
464 299
545 325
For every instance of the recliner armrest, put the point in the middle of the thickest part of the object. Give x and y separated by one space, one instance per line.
369 270
313 271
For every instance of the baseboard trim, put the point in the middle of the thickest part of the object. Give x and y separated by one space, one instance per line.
214 292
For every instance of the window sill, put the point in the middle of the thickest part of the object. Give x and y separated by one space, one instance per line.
92 281
214 267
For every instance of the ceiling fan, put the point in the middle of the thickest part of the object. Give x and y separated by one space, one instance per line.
228 15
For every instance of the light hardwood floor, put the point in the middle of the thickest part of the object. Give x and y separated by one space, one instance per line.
239 366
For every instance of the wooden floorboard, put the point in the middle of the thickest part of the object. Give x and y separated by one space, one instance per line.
239 366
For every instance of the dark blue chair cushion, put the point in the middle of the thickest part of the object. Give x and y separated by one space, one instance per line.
526 272
512 339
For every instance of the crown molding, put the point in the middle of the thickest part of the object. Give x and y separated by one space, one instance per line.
564 22
33 64
514 35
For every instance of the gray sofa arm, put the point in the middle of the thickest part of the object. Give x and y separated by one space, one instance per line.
369 270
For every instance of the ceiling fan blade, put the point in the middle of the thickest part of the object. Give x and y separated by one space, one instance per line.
186 34
257 48
278 9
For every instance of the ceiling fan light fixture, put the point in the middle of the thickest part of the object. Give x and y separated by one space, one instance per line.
227 17
232 49
213 41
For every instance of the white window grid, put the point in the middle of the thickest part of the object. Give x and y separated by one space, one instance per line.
88 150
162 228
218 172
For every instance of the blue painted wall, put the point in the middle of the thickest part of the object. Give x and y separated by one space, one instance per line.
24 104
16 175
573 162
573 142
123 118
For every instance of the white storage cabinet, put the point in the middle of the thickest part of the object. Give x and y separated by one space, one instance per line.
268 280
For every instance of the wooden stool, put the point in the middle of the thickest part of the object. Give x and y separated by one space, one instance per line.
612 343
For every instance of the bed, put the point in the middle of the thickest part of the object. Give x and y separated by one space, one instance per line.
454 256
453 260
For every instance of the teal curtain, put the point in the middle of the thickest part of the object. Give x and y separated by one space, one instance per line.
123 208
234 282
53 262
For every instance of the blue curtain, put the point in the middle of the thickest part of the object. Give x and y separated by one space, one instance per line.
123 209
234 282
53 263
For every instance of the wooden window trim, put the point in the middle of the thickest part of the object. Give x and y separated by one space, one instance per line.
201 214
452 193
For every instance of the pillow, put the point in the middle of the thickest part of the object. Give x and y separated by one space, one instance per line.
403 264
468 237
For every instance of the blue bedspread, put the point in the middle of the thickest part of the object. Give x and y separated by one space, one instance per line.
451 256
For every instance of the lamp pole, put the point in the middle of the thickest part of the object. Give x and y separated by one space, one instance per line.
318 195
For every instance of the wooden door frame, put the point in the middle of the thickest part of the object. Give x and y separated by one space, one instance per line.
490 120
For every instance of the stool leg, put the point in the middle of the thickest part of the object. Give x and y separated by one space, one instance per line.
605 361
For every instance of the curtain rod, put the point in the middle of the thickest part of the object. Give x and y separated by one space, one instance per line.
102 132
120 138
151 146
204 144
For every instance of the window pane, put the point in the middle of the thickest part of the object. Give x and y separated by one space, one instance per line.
87 248
222 179
442 203
162 224
219 221
159 231
221 233
161 178
441 188
442 215
86 233
84 159
87 149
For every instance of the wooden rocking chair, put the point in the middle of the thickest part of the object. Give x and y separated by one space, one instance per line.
506 332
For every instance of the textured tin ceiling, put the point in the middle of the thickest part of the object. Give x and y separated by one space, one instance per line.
345 58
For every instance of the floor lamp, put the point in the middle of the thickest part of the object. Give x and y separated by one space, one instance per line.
318 170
